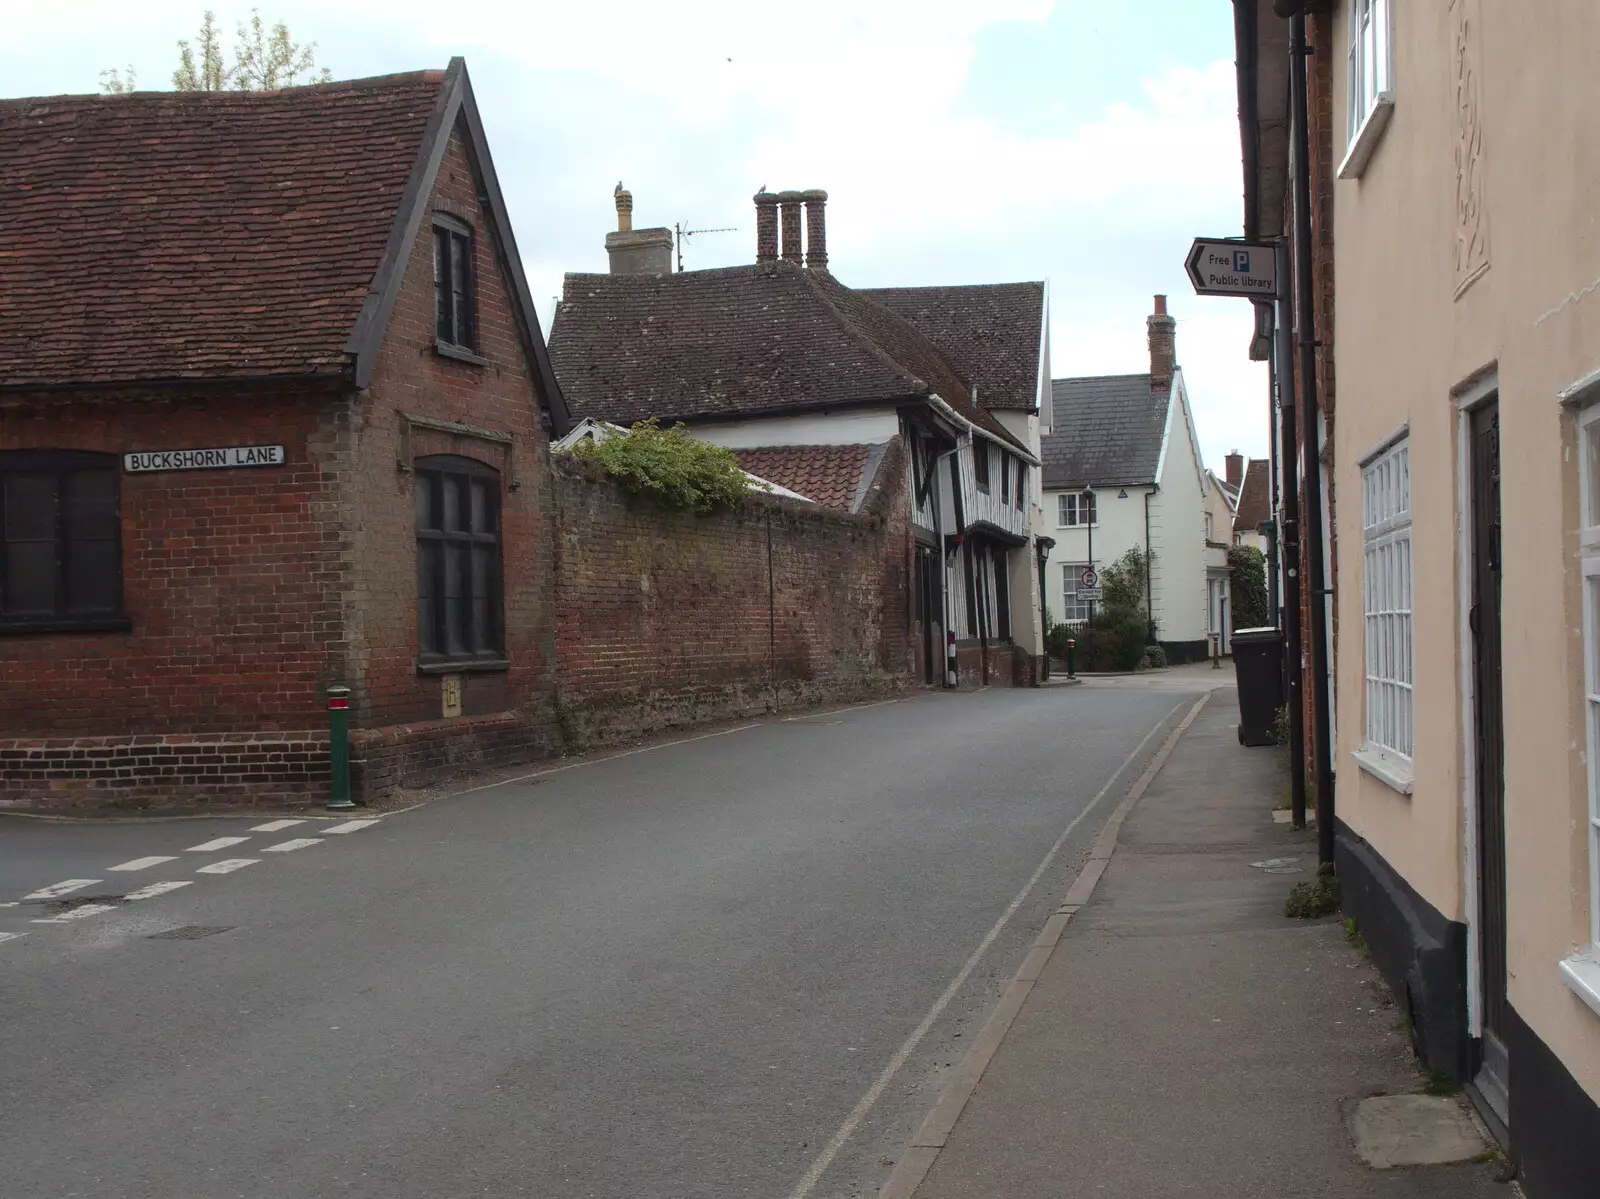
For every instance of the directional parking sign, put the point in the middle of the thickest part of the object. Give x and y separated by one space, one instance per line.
1222 267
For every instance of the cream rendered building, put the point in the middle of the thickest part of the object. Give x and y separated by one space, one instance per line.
1465 155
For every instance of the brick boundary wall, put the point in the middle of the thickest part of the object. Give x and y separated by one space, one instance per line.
211 770
397 756
667 619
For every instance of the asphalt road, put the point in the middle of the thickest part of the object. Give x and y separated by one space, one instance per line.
681 972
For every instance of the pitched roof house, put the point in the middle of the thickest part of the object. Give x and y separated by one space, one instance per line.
269 375
810 382
1122 470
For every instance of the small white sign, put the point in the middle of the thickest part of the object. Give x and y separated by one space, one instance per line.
224 456
1224 267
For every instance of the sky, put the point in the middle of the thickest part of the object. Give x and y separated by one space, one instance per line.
960 141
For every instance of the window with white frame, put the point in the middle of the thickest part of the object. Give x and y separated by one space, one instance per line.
1386 601
1075 508
1589 549
1073 609
1369 60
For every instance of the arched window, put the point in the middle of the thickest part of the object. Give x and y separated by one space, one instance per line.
60 541
459 601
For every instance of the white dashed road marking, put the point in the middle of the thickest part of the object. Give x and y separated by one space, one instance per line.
11 936
63 888
273 826
88 909
142 863
219 843
227 866
297 843
349 826
155 889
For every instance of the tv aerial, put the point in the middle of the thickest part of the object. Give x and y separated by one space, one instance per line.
681 232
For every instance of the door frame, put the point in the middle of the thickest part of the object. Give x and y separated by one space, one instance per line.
1476 391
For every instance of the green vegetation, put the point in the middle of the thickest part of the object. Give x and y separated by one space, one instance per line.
1312 901
262 58
1154 658
1117 636
670 467
1247 587
1440 1083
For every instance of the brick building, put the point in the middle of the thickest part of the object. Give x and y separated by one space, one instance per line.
274 415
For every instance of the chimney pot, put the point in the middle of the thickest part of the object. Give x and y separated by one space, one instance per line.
637 251
1161 305
624 200
789 209
766 226
816 228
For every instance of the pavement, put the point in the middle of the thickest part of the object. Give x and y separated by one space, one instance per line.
1183 1038
743 964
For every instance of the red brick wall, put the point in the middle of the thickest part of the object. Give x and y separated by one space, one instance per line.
228 575
503 399
665 619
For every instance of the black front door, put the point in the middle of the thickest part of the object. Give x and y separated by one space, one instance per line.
1489 757
930 613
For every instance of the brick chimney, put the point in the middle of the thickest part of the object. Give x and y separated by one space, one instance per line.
1234 469
1163 350
789 207
766 226
816 228
637 251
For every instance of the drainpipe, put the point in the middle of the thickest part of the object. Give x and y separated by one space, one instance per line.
1149 571
1305 328
1289 516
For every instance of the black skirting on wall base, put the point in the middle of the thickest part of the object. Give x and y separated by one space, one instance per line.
1421 954
1555 1126
1179 652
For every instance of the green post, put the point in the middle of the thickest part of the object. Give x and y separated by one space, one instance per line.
339 749
1072 658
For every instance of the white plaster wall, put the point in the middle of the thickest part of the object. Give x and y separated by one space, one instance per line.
840 426
1178 530
1120 527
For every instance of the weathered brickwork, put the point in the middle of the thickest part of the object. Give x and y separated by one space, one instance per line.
208 770
228 575
666 619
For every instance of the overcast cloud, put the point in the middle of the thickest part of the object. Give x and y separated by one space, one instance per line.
960 142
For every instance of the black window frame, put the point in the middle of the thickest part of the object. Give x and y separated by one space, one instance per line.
1022 484
1005 478
63 615
479 640
980 464
455 294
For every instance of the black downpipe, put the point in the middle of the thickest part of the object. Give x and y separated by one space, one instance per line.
1306 333
1149 573
1289 518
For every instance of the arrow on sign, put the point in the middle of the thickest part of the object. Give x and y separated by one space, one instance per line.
1223 267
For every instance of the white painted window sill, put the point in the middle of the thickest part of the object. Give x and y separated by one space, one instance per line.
1367 137
1581 972
1393 772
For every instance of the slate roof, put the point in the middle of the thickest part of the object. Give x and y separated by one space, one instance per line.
990 332
828 474
762 339
167 235
1105 429
1255 496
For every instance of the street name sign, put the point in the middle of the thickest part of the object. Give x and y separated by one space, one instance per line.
1221 267
223 456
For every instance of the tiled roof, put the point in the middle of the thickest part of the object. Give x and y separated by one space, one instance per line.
828 474
990 332
1255 496
756 340
170 235
1105 429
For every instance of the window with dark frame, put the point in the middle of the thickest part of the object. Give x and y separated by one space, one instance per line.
60 541
980 463
1022 484
455 304
1005 477
459 599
